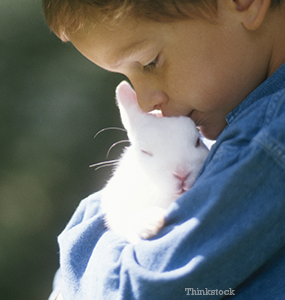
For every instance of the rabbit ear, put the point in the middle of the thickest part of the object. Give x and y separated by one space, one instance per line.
156 113
128 104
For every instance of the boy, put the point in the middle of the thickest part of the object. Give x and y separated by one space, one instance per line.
219 62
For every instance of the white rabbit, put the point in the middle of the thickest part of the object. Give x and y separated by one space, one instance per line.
161 163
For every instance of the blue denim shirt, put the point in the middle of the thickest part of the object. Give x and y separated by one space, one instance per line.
223 238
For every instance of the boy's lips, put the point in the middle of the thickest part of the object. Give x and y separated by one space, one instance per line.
190 115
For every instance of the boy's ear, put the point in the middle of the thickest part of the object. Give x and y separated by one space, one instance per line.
252 12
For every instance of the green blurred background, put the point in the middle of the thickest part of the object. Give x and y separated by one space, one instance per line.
52 103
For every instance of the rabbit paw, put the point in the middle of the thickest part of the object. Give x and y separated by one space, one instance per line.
147 224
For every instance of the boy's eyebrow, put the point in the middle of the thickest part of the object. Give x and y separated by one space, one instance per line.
129 51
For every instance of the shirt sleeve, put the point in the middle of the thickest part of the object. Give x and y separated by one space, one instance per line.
222 236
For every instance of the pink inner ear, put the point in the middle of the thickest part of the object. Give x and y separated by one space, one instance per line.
125 92
156 113
126 95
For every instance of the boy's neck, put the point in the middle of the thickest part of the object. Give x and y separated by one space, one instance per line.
275 37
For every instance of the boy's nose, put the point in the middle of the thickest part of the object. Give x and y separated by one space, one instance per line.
149 99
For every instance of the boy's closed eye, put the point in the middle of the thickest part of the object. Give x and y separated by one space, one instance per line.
152 65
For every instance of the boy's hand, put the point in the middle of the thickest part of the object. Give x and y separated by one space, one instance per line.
147 224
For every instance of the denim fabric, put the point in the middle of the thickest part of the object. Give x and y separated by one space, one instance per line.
223 239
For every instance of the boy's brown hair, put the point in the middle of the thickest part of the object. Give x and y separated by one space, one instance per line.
67 16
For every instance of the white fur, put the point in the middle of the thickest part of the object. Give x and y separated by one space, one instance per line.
144 185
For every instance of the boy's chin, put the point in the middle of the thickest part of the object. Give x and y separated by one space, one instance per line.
211 133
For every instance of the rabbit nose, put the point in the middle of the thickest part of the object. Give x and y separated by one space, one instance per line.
182 184
181 176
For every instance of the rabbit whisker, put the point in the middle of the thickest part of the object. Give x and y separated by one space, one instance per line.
109 128
104 163
200 120
115 144
103 166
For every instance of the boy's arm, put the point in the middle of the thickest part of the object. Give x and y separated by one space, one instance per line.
216 236
227 233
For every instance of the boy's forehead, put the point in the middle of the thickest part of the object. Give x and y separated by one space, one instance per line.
113 45
129 49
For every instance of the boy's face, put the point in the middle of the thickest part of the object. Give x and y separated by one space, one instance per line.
192 67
